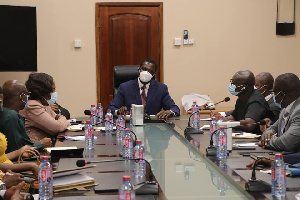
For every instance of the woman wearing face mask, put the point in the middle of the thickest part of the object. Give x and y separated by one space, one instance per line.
40 120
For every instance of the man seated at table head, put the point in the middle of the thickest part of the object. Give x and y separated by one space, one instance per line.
12 124
251 106
264 83
284 135
145 90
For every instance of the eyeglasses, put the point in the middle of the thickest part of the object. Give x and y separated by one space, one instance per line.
27 94
273 93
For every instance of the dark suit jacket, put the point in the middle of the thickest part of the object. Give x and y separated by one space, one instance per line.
157 97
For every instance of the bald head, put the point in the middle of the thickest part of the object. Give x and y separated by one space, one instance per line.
244 77
12 89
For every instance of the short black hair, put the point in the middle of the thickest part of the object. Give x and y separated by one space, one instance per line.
39 84
149 61
267 79
288 83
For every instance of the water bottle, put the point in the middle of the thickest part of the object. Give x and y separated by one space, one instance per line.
89 135
222 143
213 128
131 122
278 177
127 151
93 115
139 167
195 116
126 191
108 122
120 123
99 114
45 179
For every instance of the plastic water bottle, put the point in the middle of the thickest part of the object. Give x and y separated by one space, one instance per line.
120 127
126 191
278 177
213 128
89 135
108 122
196 116
131 122
139 167
99 114
45 179
127 151
222 143
93 115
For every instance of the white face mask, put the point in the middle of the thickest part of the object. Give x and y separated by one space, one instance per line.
145 76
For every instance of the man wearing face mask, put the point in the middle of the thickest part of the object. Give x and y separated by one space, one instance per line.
264 83
146 91
251 106
56 107
284 134
12 124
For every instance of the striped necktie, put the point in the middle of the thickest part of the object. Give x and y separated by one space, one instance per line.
143 95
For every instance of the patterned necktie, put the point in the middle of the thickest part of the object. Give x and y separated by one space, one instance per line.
283 122
143 95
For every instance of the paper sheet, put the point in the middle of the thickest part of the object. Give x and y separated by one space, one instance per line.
187 100
78 138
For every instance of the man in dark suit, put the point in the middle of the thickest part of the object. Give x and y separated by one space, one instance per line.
284 134
264 83
146 91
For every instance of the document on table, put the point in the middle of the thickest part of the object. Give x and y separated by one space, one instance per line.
59 148
250 144
244 135
77 127
102 128
205 127
77 138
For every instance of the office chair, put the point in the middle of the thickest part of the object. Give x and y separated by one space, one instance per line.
124 73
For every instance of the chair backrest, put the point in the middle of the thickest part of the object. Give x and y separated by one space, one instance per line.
124 73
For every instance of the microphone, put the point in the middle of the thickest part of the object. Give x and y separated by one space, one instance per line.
226 99
191 130
211 149
254 185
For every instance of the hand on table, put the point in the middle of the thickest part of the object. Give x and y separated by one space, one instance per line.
122 111
164 114
46 142
13 179
265 138
263 161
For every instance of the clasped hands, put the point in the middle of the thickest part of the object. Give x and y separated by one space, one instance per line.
161 115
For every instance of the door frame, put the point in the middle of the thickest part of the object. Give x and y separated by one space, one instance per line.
97 28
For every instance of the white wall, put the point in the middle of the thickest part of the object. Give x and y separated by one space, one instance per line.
229 36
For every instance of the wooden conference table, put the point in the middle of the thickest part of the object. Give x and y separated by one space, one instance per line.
178 162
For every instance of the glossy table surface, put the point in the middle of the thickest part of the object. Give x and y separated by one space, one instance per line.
181 170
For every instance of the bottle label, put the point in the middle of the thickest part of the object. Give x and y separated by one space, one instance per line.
273 173
92 112
125 196
46 176
211 128
141 155
222 140
88 132
127 143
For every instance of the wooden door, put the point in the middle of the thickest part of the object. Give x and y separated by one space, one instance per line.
126 34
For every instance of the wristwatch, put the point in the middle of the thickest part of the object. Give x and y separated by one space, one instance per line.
2 185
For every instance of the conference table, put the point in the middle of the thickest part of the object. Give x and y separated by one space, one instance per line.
178 162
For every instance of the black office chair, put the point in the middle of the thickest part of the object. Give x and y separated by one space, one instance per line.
124 73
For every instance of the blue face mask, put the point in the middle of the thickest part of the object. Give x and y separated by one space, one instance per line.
26 103
231 89
274 99
53 98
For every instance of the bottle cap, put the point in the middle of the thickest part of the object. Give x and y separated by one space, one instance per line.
93 105
138 142
213 118
127 130
44 158
221 116
222 127
278 155
108 110
194 102
99 104
126 178
88 121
